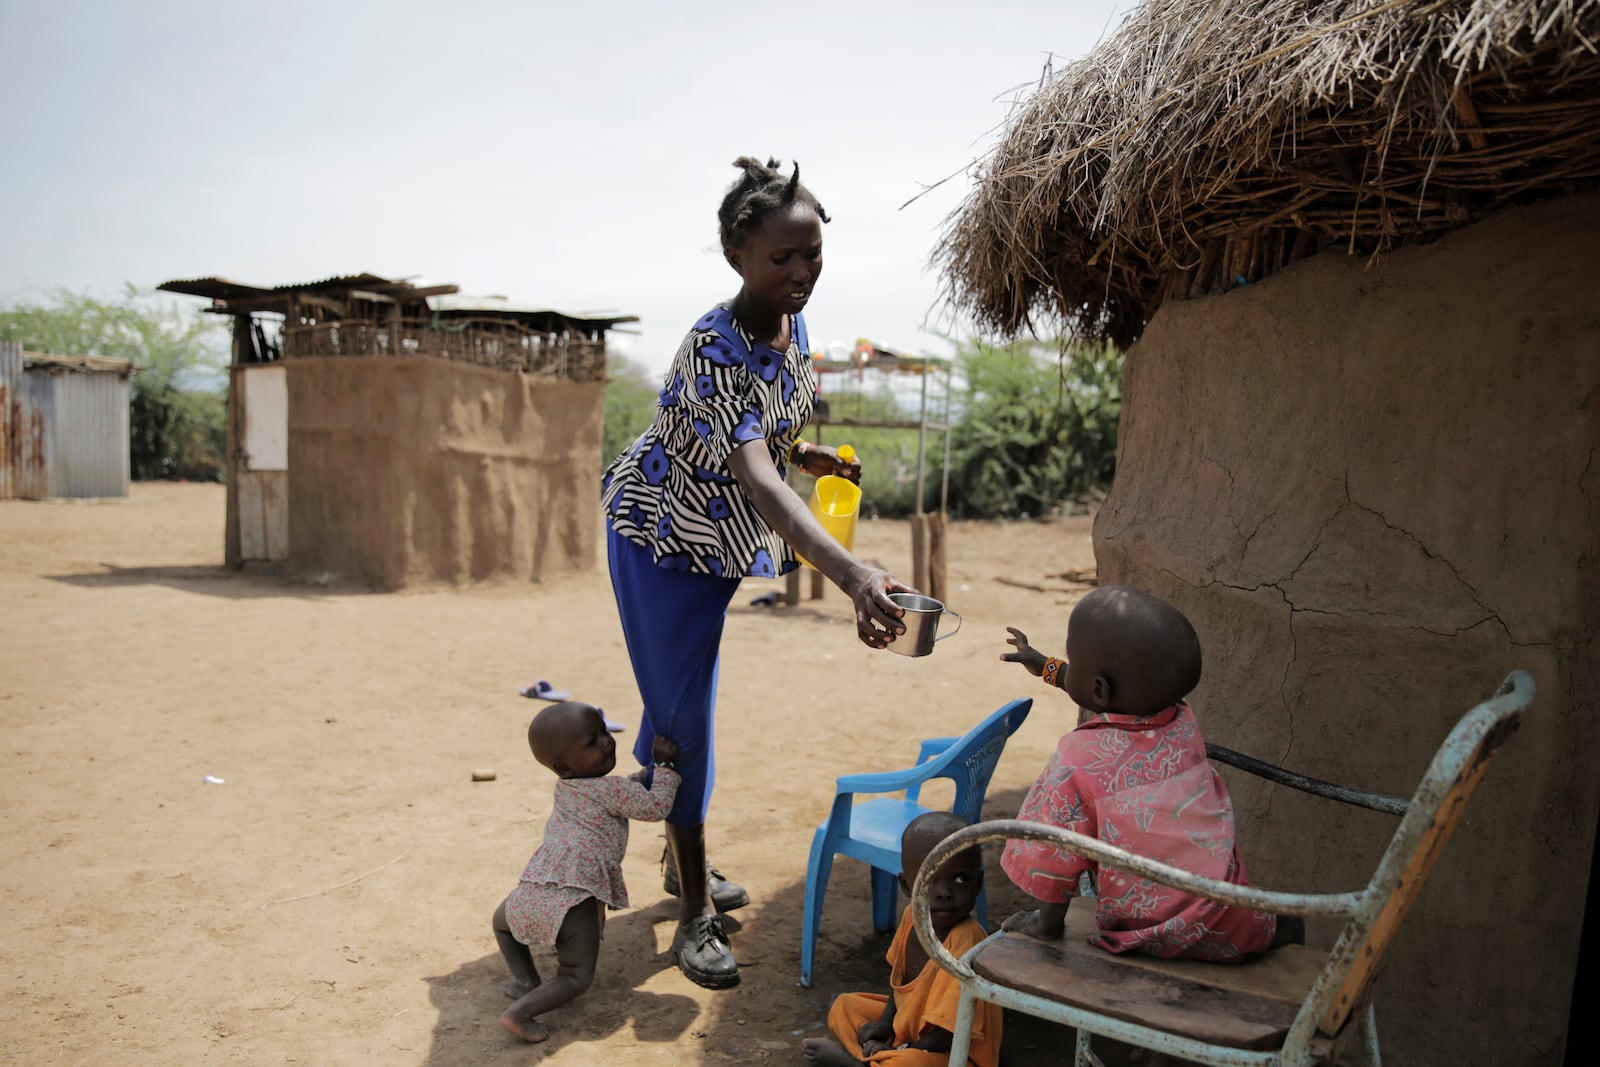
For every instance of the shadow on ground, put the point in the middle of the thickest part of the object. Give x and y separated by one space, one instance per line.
469 1001
764 1018
251 583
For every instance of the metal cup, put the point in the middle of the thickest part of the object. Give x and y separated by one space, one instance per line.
921 620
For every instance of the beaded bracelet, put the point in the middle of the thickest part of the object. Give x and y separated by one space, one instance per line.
1052 671
796 456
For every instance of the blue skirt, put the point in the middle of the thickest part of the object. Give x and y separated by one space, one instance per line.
672 621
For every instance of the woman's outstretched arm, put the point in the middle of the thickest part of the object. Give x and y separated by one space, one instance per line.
877 617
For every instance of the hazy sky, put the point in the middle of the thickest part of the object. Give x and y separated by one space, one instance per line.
567 155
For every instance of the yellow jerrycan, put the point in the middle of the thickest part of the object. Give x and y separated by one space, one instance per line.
836 502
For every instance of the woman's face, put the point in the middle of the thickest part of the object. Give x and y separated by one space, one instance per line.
781 259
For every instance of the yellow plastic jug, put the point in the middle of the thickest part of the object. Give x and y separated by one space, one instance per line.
836 502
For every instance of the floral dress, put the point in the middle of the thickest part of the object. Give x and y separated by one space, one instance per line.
1145 785
585 839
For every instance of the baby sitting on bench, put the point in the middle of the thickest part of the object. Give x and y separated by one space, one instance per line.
1135 775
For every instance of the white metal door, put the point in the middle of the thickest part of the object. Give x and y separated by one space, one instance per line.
264 473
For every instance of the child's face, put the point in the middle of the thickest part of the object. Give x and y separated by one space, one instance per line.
589 750
954 889
781 259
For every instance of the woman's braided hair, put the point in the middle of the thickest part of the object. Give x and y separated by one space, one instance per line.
760 190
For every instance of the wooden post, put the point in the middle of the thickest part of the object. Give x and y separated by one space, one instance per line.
937 586
243 341
791 581
927 555
919 552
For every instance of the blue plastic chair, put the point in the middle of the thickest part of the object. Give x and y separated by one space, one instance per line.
870 831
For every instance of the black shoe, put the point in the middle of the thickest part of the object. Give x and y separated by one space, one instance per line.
725 895
704 955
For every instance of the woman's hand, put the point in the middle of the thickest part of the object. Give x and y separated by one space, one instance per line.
1031 658
877 617
818 460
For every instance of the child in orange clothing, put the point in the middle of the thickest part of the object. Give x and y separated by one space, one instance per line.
911 1026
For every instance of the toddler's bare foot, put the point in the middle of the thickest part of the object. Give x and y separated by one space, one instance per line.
518 1024
516 989
826 1052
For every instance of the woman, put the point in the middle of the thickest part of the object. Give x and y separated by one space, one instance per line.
699 501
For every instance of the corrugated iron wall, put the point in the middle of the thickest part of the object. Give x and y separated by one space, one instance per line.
61 433
89 430
22 438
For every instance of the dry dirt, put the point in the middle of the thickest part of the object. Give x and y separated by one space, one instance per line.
329 902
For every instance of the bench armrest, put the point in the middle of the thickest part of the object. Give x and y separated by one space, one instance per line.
1315 786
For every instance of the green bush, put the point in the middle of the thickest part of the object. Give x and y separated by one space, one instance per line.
630 403
177 433
1035 426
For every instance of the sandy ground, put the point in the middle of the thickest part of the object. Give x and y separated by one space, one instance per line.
330 902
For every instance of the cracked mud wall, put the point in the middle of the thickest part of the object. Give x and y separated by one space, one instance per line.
408 472
1376 490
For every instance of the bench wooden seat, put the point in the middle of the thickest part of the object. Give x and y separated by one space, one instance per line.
1248 1005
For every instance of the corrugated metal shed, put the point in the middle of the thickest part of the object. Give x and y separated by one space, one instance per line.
63 425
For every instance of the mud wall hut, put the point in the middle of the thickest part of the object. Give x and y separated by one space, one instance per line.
1351 246
398 435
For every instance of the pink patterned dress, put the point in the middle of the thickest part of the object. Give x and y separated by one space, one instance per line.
1145 785
585 839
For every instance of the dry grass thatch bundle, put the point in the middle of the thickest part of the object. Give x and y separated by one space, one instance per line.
1209 142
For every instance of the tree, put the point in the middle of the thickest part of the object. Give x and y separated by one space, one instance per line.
1037 426
178 410
630 404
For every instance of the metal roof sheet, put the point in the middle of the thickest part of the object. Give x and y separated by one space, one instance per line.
224 289
464 303
82 364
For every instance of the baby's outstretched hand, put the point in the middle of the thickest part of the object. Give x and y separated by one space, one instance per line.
663 750
1030 658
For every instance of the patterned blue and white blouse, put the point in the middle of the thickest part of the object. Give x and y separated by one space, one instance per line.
672 491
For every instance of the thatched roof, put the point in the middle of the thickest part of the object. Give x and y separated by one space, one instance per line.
1208 142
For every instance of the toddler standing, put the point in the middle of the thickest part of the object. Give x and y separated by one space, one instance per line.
577 872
